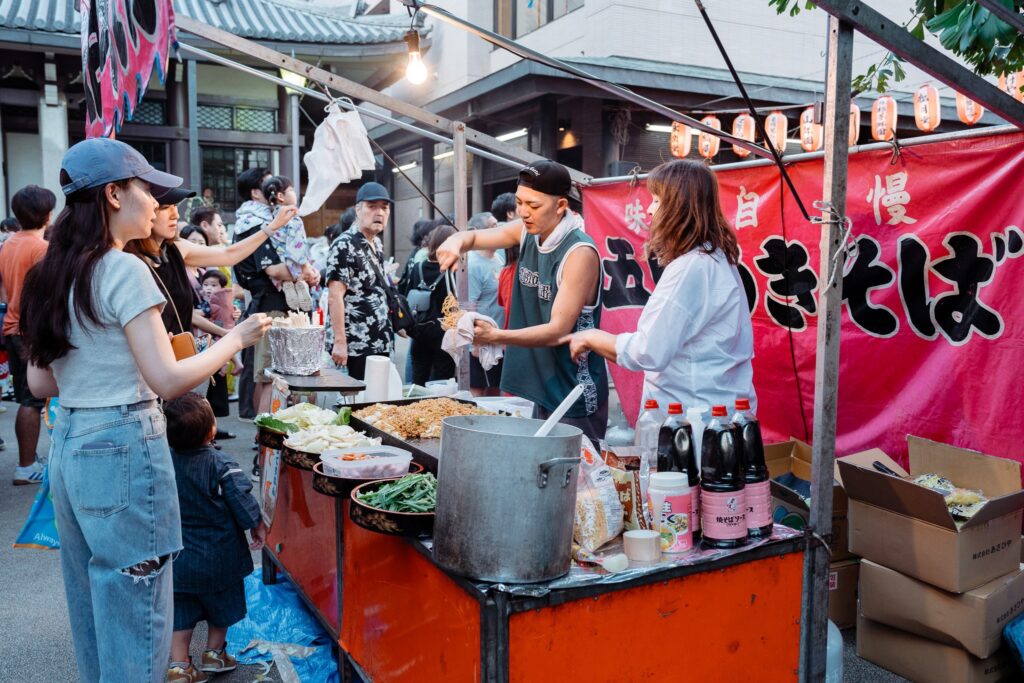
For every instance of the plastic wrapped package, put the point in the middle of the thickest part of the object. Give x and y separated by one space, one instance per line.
599 512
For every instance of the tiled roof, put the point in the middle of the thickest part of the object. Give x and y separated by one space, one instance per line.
255 19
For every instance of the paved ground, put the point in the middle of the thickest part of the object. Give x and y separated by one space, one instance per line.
36 647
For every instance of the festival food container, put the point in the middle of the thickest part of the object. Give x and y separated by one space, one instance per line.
296 350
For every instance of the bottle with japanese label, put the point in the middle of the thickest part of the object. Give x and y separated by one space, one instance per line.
755 472
671 511
646 440
723 504
677 453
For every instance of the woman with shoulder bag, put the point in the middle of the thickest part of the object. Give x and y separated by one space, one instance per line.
92 328
426 291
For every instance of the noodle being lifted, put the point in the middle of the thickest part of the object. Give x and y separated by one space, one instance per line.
420 420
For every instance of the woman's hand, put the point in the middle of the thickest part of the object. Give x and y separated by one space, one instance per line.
599 341
450 251
285 215
252 329
578 344
485 333
339 353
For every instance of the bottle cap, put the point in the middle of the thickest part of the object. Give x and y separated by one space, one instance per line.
669 480
650 404
675 408
719 411
743 404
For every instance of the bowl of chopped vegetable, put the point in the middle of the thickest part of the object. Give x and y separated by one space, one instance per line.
341 487
397 507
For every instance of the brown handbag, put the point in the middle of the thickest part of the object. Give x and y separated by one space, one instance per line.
184 344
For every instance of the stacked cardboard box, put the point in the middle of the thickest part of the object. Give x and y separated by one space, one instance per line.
935 594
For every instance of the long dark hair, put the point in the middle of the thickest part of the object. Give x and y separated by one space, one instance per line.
79 239
690 215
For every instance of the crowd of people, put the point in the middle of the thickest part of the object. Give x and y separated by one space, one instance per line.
136 321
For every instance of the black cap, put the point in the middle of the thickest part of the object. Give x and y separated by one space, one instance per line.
373 192
98 161
547 176
173 195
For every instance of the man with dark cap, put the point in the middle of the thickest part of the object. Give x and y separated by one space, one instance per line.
557 291
358 307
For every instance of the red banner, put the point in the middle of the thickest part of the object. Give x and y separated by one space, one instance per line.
933 321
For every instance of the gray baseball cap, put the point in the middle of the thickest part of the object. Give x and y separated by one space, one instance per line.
98 161
373 192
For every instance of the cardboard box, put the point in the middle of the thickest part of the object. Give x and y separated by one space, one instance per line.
789 507
842 593
973 620
907 527
927 661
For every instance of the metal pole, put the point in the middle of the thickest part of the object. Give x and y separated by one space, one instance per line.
193 128
814 615
296 162
461 218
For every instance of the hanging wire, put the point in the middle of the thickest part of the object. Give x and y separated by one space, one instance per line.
847 245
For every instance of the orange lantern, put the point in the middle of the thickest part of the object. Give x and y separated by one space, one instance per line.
854 124
708 144
810 132
679 142
743 127
968 111
883 118
1011 85
927 110
775 127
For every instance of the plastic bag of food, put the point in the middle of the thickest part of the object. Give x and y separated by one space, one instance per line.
598 509
627 484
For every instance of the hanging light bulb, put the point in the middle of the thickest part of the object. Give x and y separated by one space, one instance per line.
415 70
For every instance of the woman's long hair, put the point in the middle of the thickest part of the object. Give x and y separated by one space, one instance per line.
690 215
79 239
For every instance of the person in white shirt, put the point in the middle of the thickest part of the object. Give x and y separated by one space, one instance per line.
694 340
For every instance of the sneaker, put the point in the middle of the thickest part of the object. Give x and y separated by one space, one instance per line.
233 398
24 476
3 444
291 295
217 662
256 467
302 296
180 672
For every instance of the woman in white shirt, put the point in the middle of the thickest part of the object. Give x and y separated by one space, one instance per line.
694 341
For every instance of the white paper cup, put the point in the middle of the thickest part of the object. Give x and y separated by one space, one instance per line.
642 545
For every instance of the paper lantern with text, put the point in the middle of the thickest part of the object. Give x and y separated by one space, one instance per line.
883 118
854 124
743 127
680 141
810 132
708 144
1011 85
967 110
775 126
927 110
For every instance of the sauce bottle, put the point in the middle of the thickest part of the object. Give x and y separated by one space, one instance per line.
723 504
677 453
755 472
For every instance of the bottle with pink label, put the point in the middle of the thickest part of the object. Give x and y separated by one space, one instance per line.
723 501
755 472
669 499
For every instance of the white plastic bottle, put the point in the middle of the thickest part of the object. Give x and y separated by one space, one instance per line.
834 655
646 439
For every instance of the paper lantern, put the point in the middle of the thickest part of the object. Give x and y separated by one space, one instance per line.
854 124
810 132
927 111
968 111
883 118
743 127
679 142
775 127
1011 85
708 144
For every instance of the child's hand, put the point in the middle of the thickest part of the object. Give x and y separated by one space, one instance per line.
259 537
286 213
223 372
236 369
310 274
236 312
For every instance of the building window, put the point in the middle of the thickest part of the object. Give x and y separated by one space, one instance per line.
155 152
149 113
221 166
515 18
248 119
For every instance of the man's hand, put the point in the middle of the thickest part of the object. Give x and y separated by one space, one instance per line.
339 353
286 213
450 251
485 333
259 537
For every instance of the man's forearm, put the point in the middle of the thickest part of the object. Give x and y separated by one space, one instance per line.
336 306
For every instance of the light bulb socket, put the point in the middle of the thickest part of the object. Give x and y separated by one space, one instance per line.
412 40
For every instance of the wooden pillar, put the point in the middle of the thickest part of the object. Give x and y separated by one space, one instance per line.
814 615
177 106
427 178
478 185
548 127
195 173
461 186
285 123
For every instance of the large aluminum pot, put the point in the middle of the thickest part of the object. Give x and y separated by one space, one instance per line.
505 498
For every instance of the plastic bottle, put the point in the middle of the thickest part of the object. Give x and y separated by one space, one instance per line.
755 472
834 655
677 453
723 504
671 510
646 439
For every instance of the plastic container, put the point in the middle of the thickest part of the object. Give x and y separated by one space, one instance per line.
669 502
646 439
834 655
380 462
755 472
723 503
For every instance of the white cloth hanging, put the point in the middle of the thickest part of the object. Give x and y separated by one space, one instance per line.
341 152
